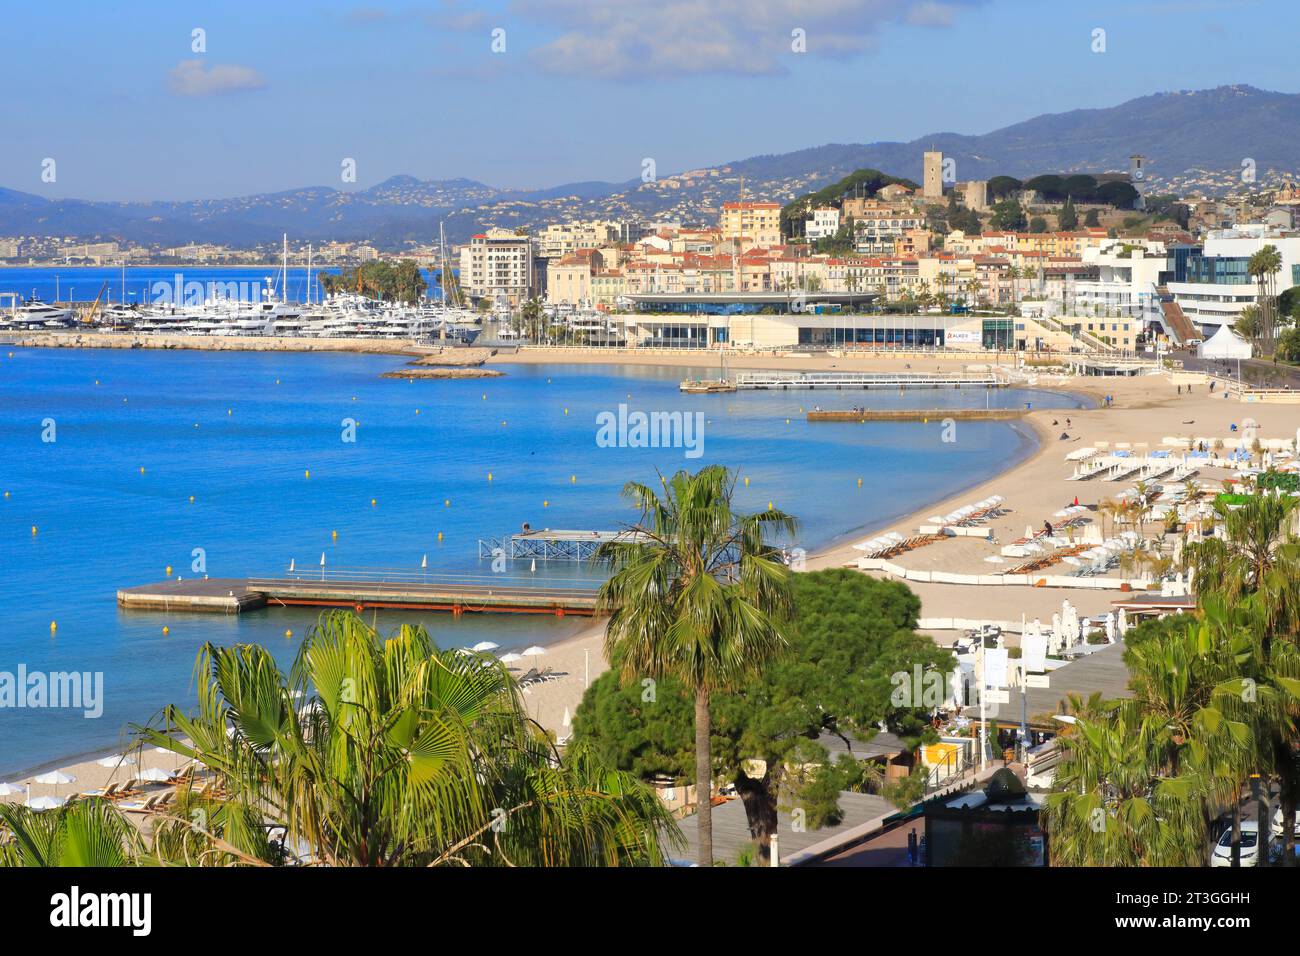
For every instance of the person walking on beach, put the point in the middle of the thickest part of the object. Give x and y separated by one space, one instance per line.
911 847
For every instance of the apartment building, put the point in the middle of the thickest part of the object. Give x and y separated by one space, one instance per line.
558 240
823 223
569 279
500 265
751 223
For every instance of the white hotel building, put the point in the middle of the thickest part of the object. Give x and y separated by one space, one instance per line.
1129 273
1214 287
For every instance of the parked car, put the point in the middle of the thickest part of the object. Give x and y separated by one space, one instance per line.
1277 826
1222 855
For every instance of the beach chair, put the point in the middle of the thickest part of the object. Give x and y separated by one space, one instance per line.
528 678
141 806
108 793
129 789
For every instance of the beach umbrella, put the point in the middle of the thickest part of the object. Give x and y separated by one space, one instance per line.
8 789
55 777
483 646
511 658
533 651
45 803
115 760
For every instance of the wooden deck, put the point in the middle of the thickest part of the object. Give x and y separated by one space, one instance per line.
458 596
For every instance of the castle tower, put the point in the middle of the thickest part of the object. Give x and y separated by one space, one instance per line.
932 174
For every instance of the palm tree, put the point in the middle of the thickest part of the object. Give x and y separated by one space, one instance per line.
698 592
390 752
1146 775
1264 266
84 833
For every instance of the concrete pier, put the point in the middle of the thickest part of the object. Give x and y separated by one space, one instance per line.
458 596
918 415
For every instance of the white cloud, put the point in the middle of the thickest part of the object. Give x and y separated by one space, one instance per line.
192 78
929 14
630 39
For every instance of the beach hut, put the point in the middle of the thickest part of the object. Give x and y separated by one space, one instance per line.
1224 344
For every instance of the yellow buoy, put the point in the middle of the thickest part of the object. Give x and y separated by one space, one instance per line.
485 396
373 502
859 482
288 633
746 482
439 535
166 630
142 469
54 626
191 499
446 502
6 494
96 381
277 381
417 411
33 531
787 421
566 411
489 476
769 506
307 473
168 571
546 504
230 411
573 479
334 535
503 424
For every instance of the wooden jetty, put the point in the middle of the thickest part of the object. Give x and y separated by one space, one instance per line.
360 592
917 415
863 380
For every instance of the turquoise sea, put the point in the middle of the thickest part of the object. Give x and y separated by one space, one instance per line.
137 433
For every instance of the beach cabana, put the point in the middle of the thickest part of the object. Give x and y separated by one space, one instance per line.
1224 344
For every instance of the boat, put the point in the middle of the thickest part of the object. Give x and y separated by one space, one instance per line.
711 386
37 314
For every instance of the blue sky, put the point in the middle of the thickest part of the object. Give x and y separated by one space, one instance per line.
289 88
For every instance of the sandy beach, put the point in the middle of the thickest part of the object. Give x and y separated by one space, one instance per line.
1146 410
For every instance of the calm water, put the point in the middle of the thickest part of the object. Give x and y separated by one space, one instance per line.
238 431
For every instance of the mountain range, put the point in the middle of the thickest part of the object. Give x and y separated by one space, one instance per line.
1196 140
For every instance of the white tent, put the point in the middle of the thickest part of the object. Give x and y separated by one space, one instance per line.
1224 344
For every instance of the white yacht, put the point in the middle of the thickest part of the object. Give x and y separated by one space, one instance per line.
35 313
